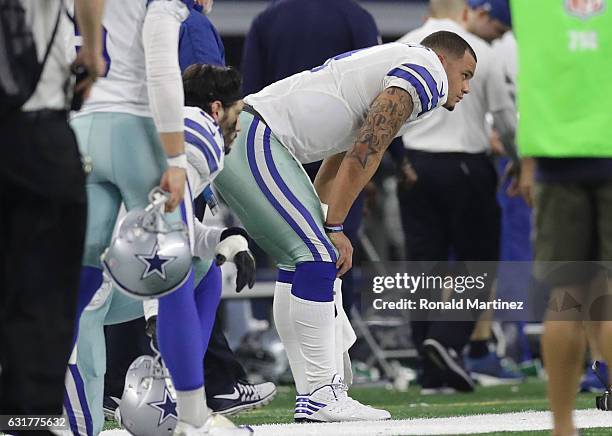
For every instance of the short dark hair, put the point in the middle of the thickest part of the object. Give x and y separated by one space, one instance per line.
450 43
205 83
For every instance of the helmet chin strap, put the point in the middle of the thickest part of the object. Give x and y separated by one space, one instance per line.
155 220
157 198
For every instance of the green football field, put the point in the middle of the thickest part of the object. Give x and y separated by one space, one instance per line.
529 396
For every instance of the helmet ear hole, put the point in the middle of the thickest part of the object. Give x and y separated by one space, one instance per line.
148 403
149 256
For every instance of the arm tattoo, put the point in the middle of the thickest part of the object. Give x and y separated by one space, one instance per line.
389 111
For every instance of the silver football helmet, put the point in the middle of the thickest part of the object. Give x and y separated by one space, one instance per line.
150 257
148 404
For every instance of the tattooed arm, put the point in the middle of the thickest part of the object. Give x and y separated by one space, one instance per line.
388 113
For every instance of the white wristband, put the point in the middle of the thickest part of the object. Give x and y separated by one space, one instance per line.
179 161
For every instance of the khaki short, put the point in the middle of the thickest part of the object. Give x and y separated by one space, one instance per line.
573 226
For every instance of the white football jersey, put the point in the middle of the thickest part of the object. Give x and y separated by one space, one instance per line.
204 147
318 113
123 88
464 129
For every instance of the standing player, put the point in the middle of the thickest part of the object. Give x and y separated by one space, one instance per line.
116 128
132 129
346 112
213 100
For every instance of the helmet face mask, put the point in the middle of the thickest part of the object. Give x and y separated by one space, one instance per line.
150 257
148 404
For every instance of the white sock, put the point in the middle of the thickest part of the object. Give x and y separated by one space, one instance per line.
191 406
286 331
315 332
338 328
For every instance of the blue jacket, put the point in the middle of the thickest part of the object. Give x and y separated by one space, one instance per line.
296 35
199 41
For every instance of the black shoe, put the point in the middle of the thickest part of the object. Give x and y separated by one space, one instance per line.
245 396
432 380
109 405
449 361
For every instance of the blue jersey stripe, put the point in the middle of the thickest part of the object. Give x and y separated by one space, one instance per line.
431 82
418 86
199 144
194 125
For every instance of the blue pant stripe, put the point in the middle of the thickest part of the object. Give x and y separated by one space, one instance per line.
266 191
80 386
292 198
71 418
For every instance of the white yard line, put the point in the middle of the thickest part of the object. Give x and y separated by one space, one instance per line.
522 421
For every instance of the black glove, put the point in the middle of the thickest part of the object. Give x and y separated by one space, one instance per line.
234 247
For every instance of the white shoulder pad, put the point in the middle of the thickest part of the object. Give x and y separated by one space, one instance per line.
204 147
419 72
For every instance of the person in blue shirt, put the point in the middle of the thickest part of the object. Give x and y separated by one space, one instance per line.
295 35
199 41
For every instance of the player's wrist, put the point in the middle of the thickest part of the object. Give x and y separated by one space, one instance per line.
333 227
178 161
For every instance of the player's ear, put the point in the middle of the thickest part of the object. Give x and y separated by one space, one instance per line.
482 13
443 59
216 110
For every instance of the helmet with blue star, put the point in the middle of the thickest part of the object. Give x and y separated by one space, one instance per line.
148 403
150 256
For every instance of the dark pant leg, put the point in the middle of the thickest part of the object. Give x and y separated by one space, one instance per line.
474 220
124 343
42 227
423 222
221 368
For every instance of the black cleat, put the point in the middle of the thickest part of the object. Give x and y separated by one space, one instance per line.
245 396
109 405
450 363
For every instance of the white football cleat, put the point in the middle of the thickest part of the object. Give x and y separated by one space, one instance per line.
302 412
331 403
216 425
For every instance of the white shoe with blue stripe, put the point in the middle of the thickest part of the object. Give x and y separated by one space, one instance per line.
331 403
302 412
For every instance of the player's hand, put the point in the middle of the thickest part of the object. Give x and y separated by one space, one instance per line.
207 6
173 181
406 175
512 172
345 250
234 247
523 183
94 65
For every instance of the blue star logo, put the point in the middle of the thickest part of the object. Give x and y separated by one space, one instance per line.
441 93
155 263
166 407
